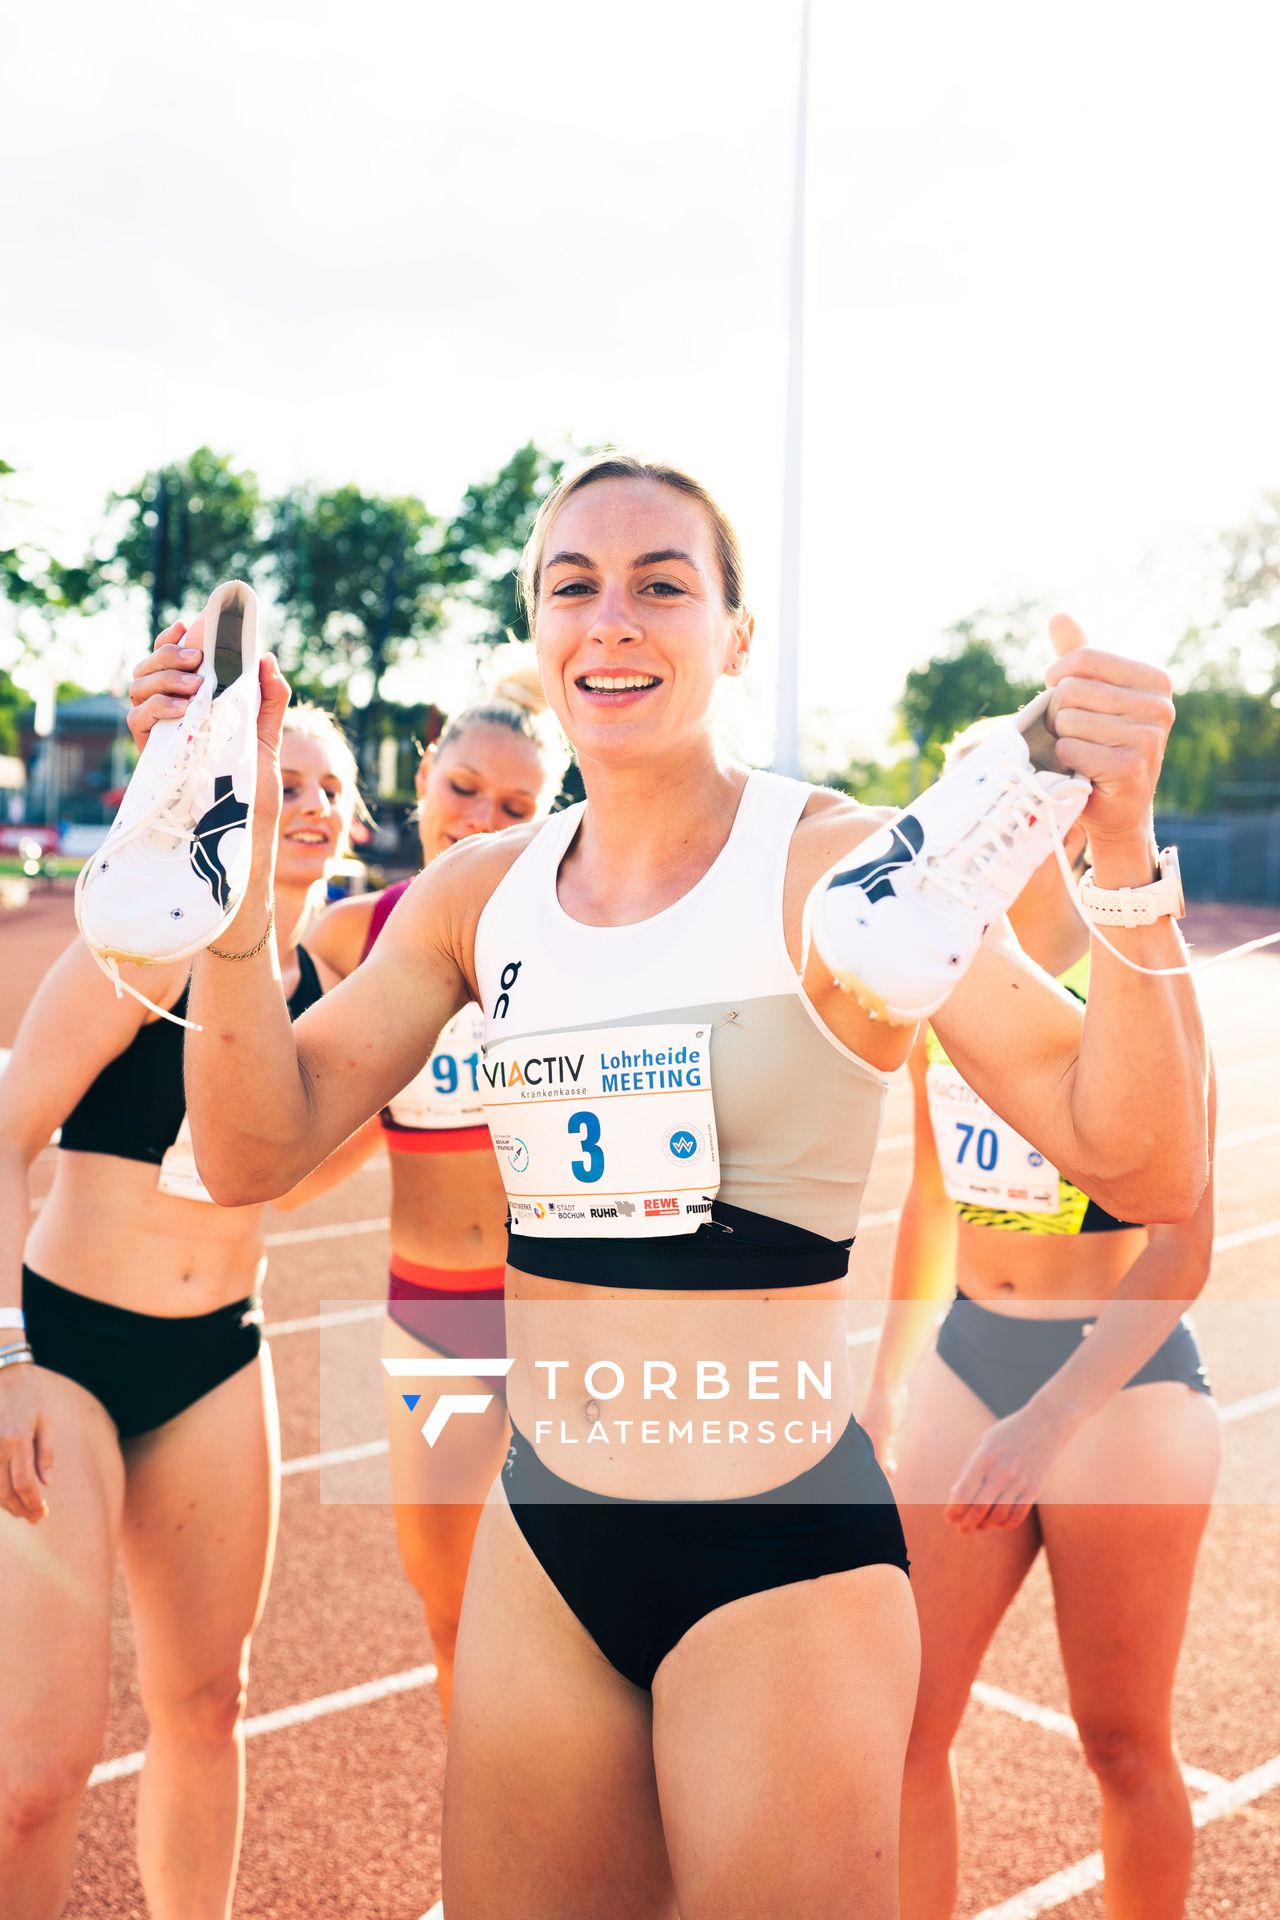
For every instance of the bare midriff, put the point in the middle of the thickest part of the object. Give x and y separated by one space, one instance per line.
792 1335
106 1231
1044 1276
448 1209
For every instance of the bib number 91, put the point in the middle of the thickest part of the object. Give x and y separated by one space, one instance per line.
590 1167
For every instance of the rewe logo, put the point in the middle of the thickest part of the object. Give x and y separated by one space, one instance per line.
875 877
448 1403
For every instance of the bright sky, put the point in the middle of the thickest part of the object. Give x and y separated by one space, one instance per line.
389 242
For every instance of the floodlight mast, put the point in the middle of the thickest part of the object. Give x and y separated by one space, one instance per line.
787 736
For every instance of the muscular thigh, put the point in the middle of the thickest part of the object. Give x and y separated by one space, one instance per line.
1122 1512
199 1530
55 1588
551 1807
780 1726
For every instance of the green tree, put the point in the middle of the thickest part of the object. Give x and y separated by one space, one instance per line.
967 681
481 547
13 701
358 580
185 528
31 577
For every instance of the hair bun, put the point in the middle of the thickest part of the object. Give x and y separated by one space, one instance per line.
520 683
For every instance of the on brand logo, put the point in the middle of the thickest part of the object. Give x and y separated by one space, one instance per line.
510 974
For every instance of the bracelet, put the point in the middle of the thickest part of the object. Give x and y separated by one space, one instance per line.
12 1318
249 952
19 1346
20 1357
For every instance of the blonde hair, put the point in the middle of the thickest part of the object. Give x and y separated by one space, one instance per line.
972 736
309 722
515 700
628 466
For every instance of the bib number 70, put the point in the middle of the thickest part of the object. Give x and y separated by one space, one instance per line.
589 1168
987 1150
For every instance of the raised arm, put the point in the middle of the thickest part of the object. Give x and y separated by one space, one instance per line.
1122 1106
268 1100
1114 1096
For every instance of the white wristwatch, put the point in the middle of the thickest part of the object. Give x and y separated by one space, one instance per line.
1136 906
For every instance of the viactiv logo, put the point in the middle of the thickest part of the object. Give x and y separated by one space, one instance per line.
447 1404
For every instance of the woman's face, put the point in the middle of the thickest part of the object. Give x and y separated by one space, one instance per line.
633 634
318 803
486 778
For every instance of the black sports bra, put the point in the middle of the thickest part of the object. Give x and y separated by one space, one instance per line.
135 1107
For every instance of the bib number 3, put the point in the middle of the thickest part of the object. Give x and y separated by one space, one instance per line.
590 1167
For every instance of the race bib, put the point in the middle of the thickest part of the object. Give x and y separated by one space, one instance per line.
984 1162
447 1092
178 1174
611 1132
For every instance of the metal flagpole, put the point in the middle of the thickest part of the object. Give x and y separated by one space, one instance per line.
787 751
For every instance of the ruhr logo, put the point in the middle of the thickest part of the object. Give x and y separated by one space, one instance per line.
444 1408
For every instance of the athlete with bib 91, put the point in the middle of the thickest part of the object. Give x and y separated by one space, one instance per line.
667 1658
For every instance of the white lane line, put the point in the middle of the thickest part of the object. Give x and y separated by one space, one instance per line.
339 1457
1246 1236
340 1317
1256 1403
295 1716
436 1912
1054 1722
337 1230
1224 1799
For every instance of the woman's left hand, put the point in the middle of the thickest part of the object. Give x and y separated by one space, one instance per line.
1002 1478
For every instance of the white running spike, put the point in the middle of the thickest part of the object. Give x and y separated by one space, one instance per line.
899 919
172 871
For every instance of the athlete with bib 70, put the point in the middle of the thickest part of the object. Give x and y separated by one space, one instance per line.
667 1662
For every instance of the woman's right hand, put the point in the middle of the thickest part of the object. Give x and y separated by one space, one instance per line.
165 680
26 1445
881 1418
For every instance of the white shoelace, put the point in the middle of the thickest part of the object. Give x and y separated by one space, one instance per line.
982 855
170 815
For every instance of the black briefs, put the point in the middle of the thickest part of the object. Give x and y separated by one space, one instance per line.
639 1573
1005 1359
732 1248
145 1369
